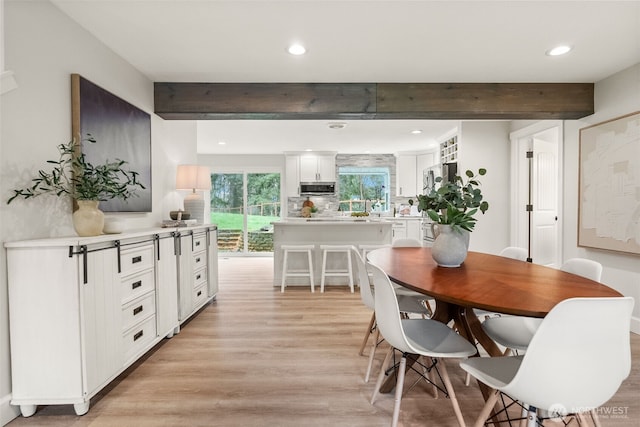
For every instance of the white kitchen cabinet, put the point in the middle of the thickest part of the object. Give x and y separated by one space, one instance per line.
292 176
406 175
317 168
83 309
409 173
414 229
407 228
193 272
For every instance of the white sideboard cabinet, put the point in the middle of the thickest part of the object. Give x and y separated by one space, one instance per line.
83 309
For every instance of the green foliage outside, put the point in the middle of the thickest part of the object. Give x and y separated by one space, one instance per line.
263 202
365 185
230 221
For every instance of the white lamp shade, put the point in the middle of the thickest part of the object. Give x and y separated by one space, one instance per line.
193 177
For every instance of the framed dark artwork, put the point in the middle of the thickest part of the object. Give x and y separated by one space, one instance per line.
609 187
121 130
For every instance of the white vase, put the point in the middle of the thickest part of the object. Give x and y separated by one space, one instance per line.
88 220
450 246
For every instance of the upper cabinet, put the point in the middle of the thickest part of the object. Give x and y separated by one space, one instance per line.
317 168
308 168
409 173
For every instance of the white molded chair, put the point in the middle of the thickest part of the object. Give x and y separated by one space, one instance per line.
514 252
575 362
401 290
424 337
406 304
515 332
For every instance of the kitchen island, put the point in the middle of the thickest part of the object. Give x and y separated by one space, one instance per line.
324 231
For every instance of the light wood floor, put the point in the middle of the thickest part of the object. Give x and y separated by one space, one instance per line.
257 357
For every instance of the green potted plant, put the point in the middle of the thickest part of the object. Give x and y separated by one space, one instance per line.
72 175
453 206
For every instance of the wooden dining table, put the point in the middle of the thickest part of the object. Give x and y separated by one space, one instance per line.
485 282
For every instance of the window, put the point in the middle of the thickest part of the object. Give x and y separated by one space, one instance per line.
358 186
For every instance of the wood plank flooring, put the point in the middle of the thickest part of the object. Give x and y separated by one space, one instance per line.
257 357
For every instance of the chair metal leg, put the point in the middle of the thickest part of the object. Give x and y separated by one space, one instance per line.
451 392
368 333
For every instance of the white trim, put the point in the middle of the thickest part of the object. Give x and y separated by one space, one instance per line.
7 411
516 137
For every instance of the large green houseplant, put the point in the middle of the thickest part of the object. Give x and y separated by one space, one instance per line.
455 202
452 207
74 176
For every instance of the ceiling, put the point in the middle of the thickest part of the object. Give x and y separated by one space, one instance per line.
358 41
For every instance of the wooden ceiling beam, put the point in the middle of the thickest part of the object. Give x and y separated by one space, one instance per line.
330 101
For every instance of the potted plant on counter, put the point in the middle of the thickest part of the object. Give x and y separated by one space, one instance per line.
452 206
73 176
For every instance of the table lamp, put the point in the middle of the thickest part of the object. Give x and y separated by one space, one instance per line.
194 178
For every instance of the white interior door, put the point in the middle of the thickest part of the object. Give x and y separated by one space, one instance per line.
544 217
536 197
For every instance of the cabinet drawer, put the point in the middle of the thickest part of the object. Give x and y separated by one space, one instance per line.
136 311
199 277
199 242
199 260
137 285
199 296
136 340
136 259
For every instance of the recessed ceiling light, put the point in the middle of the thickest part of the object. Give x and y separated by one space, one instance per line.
221 143
296 49
416 131
559 50
308 149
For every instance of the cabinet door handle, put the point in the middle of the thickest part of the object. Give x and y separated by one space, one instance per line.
137 310
198 277
136 285
198 259
136 259
198 243
138 335
199 293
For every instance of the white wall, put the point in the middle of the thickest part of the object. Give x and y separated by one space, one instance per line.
485 144
43 47
615 96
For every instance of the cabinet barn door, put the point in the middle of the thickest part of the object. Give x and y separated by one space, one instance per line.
101 318
167 286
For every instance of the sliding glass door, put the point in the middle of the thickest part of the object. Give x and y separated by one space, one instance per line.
243 205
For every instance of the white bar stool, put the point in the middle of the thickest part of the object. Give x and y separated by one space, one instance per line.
305 249
337 272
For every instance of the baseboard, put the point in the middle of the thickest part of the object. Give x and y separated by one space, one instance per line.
7 411
635 325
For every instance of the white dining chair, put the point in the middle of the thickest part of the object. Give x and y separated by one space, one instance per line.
424 337
575 362
401 290
515 332
406 305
